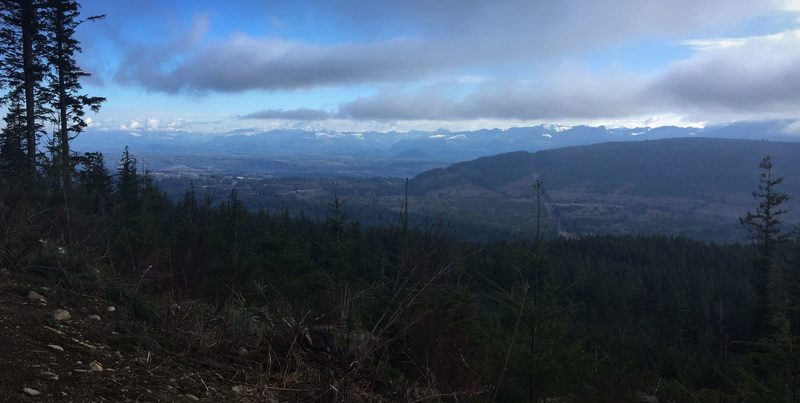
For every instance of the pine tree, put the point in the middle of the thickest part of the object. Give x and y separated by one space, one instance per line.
128 182
96 181
23 67
63 18
764 226
764 229
12 141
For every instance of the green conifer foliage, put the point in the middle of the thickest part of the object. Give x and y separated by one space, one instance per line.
62 18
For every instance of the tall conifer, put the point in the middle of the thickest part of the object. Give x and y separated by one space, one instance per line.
62 20
23 67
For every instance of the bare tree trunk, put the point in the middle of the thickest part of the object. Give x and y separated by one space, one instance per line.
63 126
28 17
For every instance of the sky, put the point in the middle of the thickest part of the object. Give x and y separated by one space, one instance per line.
357 65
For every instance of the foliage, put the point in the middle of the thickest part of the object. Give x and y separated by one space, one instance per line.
764 224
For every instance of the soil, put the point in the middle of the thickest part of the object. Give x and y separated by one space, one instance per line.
133 367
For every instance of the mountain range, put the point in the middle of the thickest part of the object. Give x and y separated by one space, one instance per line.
330 153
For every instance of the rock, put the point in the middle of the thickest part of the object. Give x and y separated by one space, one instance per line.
192 397
111 309
56 347
61 315
94 317
242 351
31 392
95 367
35 296
645 397
50 376
238 389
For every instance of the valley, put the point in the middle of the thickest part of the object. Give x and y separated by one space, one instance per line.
690 187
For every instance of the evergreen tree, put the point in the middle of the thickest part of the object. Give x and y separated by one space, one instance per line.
12 141
191 240
63 18
128 182
232 215
336 244
189 206
23 67
764 226
96 181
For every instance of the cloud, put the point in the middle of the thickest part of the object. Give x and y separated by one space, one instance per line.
570 93
143 63
149 124
288 114
431 102
132 125
713 44
436 37
758 76
791 5
792 129
243 62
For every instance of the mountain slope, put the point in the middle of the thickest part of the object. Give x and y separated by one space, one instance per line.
691 186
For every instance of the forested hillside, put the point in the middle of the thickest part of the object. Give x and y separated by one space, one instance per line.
694 187
671 167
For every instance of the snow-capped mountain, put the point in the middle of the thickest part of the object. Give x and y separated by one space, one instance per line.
439 145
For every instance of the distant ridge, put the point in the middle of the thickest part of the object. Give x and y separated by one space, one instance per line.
439 145
696 187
